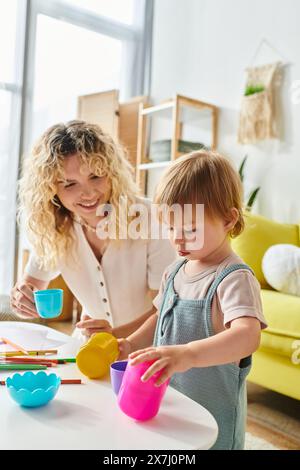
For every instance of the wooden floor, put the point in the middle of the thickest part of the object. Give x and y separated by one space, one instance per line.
274 417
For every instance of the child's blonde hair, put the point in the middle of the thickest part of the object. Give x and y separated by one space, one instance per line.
203 177
49 224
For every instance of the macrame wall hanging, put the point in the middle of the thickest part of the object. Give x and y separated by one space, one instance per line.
258 117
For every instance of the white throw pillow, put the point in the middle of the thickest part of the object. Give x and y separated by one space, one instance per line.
281 267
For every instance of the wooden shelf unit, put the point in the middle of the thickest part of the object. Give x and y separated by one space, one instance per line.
143 163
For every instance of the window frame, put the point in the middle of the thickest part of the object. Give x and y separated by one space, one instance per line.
15 89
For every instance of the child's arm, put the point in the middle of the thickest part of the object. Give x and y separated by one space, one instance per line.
141 338
239 341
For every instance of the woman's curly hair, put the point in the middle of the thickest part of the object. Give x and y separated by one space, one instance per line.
48 223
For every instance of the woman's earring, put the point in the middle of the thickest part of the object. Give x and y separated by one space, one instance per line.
56 202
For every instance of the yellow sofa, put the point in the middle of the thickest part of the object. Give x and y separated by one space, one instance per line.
276 364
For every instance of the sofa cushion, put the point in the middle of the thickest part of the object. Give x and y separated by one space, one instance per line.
259 234
282 312
281 268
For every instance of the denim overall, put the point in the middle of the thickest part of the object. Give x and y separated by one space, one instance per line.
220 389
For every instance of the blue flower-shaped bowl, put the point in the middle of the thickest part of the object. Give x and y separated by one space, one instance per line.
31 389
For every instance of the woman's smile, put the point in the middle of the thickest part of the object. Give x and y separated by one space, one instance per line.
89 206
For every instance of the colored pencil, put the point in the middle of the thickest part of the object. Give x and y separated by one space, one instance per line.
19 360
16 346
36 360
61 361
31 353
22 367
63 382
71 381
26 359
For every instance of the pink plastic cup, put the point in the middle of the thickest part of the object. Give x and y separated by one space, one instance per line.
137 399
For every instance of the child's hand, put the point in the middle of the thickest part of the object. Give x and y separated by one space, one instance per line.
90 326
124 348
170 359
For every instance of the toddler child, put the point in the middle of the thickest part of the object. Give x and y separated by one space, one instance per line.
209 314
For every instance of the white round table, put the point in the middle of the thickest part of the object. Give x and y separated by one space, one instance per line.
87 416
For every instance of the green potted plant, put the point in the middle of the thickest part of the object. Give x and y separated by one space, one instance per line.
253 194
253 89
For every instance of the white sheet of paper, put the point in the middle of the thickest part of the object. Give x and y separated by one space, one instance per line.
29 336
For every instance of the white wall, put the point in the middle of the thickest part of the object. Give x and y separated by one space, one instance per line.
201 49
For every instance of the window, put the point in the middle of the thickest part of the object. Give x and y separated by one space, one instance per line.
7 193
10 106
8 27
118 10
80 47
74 61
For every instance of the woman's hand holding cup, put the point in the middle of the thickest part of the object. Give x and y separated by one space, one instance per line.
22 300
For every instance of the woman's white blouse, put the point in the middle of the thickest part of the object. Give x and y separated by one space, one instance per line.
116 290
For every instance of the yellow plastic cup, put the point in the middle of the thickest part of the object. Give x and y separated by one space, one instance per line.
95 357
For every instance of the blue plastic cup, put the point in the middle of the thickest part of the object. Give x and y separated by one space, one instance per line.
117 370
49 302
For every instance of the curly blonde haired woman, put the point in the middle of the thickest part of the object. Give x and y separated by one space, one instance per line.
73 170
